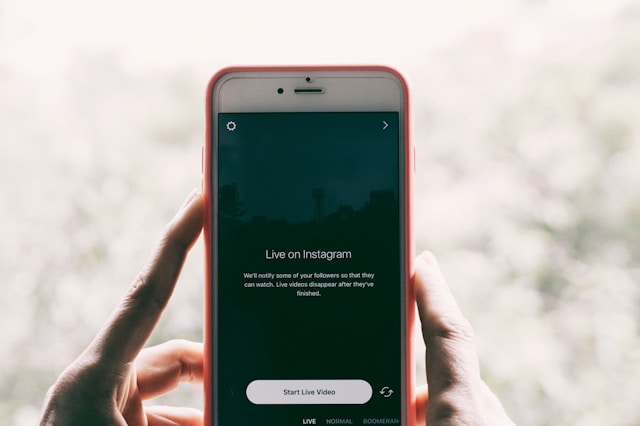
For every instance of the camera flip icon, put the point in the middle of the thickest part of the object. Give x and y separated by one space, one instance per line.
386 392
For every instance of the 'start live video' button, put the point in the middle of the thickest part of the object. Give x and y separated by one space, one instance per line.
278 392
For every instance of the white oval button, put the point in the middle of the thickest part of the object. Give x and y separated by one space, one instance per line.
277 392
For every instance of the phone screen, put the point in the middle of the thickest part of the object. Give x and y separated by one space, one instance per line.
308 276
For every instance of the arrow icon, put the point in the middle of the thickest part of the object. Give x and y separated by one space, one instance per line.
386 391
385 125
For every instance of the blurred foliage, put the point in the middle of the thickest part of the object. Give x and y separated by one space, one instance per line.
527 190
93 165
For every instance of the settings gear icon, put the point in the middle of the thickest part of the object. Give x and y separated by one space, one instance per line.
231 126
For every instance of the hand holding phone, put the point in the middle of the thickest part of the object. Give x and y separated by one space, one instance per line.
73 399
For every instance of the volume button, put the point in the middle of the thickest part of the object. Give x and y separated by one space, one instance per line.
202 169
415 168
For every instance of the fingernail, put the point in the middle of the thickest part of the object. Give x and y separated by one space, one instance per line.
427 256
194 194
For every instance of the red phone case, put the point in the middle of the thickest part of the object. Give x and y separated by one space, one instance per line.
409 249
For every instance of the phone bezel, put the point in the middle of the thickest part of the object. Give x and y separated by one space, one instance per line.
346 88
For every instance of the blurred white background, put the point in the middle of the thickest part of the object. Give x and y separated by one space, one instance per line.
527 124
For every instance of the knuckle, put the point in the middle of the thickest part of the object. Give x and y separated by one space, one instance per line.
141 295
450 329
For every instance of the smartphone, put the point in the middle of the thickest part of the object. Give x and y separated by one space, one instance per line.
309 310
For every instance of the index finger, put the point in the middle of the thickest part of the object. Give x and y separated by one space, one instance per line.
452 362
135 317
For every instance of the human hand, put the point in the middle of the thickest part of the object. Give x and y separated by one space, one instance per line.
108 382
455 393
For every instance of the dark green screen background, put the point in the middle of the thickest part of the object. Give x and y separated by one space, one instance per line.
308 181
